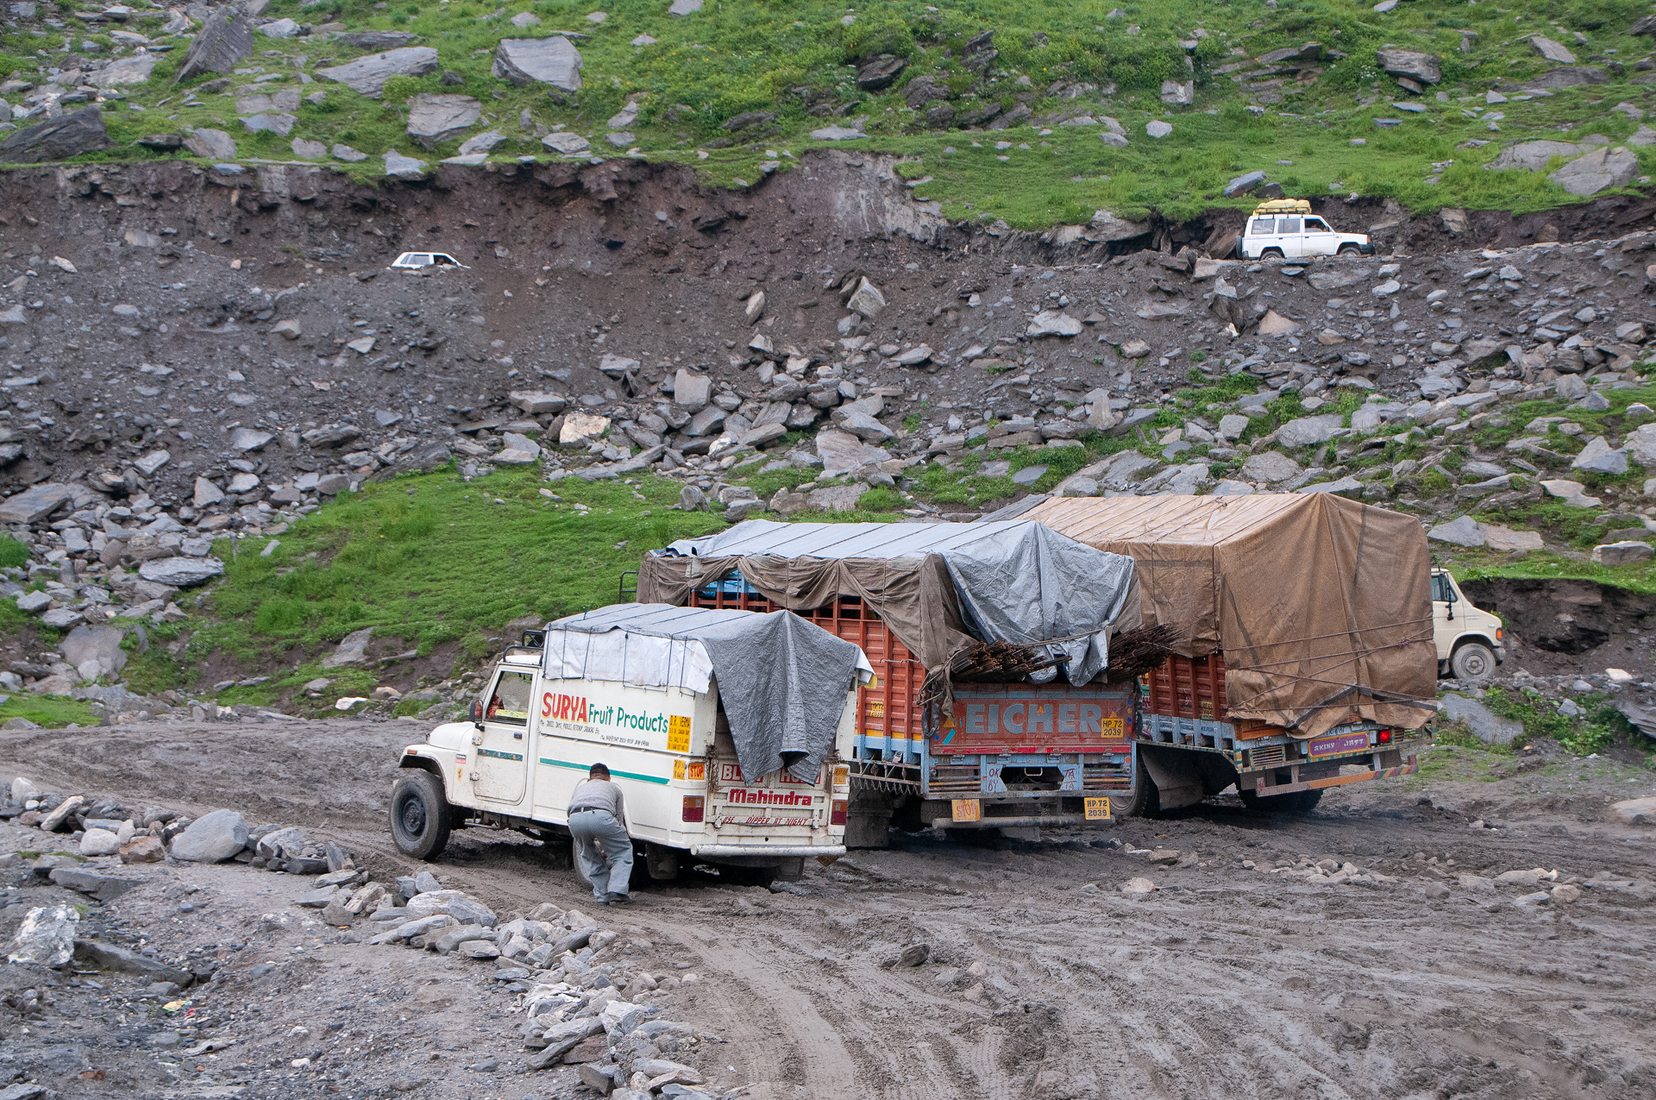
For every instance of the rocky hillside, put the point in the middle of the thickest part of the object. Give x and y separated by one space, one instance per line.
733 258
189 358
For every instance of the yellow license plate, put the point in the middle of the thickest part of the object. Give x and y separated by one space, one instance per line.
1096 809
967 809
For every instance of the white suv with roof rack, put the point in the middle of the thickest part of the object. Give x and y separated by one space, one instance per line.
1287 230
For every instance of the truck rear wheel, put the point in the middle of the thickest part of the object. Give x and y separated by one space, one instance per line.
1294 802
1146 800
419 815
1472 662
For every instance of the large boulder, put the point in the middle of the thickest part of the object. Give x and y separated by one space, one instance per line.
124 71
435 119
181 572
1485 724
553 61
1414 65
94 651
369 75
46 937
58 139
223 40
36 503
1534 155
212 838
1640 446
1597 171
843 453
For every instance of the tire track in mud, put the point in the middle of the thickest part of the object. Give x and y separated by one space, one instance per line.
1228 981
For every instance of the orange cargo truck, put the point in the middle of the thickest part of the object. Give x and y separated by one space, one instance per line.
1304 657
993 704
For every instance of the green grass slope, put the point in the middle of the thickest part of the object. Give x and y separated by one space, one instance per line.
797 62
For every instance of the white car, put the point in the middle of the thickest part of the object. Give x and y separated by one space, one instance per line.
1287 230
426 261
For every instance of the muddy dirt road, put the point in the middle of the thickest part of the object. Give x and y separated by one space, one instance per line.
1247 973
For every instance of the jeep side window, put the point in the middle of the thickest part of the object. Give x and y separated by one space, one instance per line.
1262 226
1288 225
510 701
1316 225
420 259
443 259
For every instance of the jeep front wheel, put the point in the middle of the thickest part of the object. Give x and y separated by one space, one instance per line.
419 815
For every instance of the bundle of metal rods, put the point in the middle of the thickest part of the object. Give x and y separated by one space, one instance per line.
1135 652
998 662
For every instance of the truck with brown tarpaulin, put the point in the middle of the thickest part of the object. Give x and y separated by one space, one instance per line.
1304 655
1004 655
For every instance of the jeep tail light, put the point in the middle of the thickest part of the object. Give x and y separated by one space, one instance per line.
1384 737
693 807
836 816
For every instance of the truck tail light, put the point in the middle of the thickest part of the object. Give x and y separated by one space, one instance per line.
842 775
836 816
693 807
1384 737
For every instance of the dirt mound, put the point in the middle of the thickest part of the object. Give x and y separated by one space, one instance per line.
1557 627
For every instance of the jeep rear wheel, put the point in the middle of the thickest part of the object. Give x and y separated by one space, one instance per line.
1269 253
419 815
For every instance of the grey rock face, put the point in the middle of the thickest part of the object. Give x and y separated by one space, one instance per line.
125 71
435 119
1309 430
553 61
215 145
453 903
181 572
843 453
1484 723
1411 64
86 646
352 650
57 139
222 42
1597 171
566 143
368 75
46 937
1464 531
400 167
1534 155
35 503
212 838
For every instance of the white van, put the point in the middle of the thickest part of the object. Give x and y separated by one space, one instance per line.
1470 641
728 732
420 262
1287 230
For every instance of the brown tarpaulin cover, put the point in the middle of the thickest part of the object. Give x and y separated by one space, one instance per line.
1321 605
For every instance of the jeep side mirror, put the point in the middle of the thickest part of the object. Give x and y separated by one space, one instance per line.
477 713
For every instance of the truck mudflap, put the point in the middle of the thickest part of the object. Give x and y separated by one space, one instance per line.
765 851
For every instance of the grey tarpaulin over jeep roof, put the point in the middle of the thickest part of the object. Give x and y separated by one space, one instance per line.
783 682
938 586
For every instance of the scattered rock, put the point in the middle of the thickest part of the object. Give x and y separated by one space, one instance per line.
554 61
1485 724
369 75
46 937
436 119
211 838
224 39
